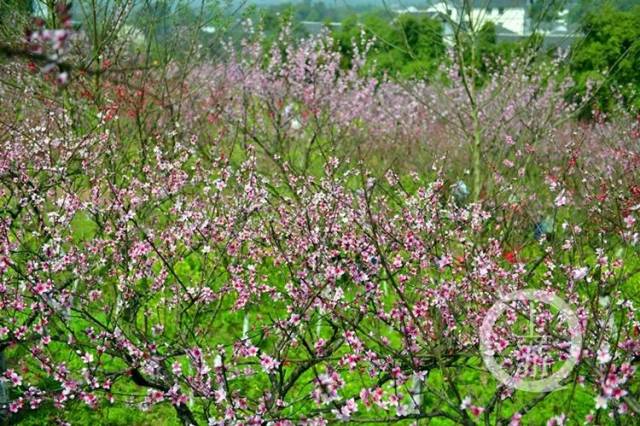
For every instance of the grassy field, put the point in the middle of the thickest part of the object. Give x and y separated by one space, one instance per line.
267 237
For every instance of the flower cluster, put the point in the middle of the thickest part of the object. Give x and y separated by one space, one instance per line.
50 45
238 267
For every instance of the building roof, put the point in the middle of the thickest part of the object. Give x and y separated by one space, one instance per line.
483 4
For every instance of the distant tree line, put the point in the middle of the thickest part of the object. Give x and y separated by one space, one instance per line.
603 62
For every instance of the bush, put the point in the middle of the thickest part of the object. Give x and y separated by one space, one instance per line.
274 239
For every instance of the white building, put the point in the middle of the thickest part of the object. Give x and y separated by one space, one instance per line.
511 18
512 15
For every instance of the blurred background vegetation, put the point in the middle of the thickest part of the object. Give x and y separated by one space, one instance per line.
604 54
603 49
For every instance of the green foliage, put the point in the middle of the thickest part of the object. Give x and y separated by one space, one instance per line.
578 11
273 23
408 46
482 53
14 14
318 11
546 10
609 57
170 30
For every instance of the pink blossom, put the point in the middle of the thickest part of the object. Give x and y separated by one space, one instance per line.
14 378
476 410
561 199
579 273
466 403
515 420
601 402
603 355
268 363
